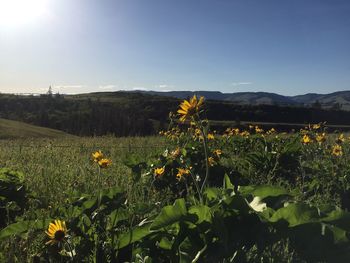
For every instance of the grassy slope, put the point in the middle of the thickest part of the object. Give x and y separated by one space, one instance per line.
14 130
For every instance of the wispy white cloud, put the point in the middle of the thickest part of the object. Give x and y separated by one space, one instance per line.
241 83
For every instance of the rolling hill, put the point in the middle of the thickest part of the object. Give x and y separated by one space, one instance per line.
336 99
17 130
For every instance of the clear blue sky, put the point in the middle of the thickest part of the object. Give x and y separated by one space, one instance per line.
288 47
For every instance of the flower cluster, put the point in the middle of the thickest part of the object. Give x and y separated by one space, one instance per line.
99 158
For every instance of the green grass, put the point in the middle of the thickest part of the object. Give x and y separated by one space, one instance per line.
15 130
58 170
55 168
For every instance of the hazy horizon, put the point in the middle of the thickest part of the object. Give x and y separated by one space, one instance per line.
289 48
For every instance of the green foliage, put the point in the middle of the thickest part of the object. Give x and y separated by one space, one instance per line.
13 195
268 197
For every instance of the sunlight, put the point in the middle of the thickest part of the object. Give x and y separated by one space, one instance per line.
14 13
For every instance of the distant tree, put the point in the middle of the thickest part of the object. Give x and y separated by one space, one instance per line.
49 92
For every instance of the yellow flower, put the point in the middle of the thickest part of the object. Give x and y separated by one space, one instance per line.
159 171
197 132
181 172
340 139
235 131
189 108
271 131
211 136
57 231
97 156
245 133
316 126
258 129
217 153
320 138
174 154
306 139
337 150
104 163
211 161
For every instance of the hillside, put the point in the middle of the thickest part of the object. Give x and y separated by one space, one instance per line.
340 99
139 114
15 130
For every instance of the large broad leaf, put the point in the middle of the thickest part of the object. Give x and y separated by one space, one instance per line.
211 194
296 214
134 235
339 218
116 216
170 214
263 191
24 226
202 213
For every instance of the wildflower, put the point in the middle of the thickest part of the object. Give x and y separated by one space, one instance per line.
337 150
321 137
316 126
211 161
181 173
211 136
197 132
340 139
271 131
306 139
104 163
217 153
245 134
174 154
57 231
258 129
235 131
251 127
97 156
159 171
189 108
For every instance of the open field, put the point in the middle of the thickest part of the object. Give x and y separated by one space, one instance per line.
278 169
10 129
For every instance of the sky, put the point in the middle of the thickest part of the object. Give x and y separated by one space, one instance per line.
77 46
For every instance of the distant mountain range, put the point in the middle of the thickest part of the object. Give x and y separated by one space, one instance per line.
340 99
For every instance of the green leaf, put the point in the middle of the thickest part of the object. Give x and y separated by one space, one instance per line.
202 212
263 191
116 216
170 214
227 182
211 193
24 226
134 235
338 218
296 214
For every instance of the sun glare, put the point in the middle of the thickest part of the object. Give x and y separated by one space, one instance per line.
14 13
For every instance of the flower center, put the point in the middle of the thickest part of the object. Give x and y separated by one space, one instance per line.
59 235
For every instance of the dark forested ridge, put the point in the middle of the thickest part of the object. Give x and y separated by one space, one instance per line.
129 114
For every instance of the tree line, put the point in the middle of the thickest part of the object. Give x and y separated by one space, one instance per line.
133 114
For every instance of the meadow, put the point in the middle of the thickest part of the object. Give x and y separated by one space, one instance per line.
187 195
